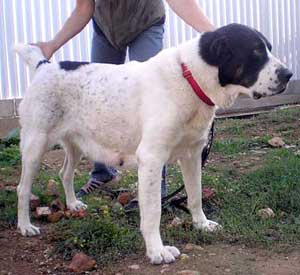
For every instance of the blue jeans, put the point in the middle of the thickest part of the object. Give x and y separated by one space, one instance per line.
144 46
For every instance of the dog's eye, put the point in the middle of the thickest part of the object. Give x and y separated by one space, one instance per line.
239 71
258 52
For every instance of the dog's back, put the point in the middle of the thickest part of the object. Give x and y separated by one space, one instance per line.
67 103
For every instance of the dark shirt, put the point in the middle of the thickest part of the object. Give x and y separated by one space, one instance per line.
123 20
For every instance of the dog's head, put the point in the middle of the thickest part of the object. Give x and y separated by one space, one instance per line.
243 57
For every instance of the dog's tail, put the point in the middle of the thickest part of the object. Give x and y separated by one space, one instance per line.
32 55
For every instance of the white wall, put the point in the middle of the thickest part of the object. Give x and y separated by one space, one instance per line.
34 20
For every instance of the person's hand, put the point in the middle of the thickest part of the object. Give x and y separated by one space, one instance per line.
47 48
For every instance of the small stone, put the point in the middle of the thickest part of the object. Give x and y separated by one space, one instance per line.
184 257
207 193
57 205
266 213
276 142
191 246
55 217
227 270
81 213
134 267
176 222
189 272
52 188
42 212
125 198
164 270
34 202
81 263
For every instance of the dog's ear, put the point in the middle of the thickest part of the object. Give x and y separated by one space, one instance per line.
215 49
224 76
221 50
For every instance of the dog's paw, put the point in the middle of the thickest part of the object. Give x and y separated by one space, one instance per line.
208 226
77 205
29 230
166 254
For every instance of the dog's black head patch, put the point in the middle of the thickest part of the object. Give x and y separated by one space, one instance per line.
71 65
238 51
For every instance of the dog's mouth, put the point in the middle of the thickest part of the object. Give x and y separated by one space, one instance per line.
275 91
257 95
278 90
282 90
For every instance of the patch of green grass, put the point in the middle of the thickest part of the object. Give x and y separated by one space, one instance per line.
7 171
287 115
235 146
9 149
276 185
10 155
13 138
230 147
8 209
102 237
234 127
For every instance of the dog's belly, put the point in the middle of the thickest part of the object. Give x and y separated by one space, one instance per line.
121 157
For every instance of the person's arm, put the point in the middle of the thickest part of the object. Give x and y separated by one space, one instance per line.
79 18
192 14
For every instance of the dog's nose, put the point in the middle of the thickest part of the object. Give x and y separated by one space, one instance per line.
284 75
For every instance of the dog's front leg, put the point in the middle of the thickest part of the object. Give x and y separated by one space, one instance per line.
150 169
191 170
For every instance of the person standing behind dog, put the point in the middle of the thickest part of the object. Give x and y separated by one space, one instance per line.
136 25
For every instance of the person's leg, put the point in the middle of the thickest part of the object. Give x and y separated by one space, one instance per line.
145 46
102 52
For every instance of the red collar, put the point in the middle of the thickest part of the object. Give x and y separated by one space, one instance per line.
196 88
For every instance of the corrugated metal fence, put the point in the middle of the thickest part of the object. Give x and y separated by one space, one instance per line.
38 20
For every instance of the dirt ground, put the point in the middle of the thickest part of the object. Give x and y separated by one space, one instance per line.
32 256
19 255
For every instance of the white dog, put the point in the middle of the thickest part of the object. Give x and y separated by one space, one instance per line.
141 113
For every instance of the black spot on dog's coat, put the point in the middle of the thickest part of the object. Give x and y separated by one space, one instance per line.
71 65
45 61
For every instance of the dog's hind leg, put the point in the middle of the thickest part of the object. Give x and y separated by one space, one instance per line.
33 146
191 170
72 158
151 162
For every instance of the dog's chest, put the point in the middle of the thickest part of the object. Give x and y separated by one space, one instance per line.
197 126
